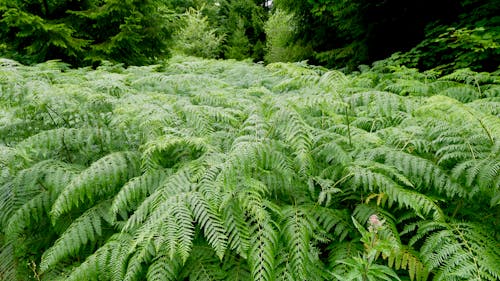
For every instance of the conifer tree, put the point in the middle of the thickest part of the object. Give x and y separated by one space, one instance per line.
85 32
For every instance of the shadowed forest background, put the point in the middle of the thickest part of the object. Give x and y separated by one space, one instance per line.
442 34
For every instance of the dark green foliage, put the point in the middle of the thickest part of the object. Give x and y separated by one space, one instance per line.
243 23
470 41
226 170
85 32
345 33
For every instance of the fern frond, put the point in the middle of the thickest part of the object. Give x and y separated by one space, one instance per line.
136 190
83 230
365 178
332 220
296 133
453 250
409 259
98 181
462 93
163 269
236 268
107 263
26 185
8 263
238 229
421 172
211 223
297 232
173 185
412 87
31 213
262 255
170 226
61 143
168 151
207 265
468 76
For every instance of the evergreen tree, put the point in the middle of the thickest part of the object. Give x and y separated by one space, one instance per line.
85 32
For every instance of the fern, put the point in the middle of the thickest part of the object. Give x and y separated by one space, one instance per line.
107 263
223 170
453 256
83 230
100 180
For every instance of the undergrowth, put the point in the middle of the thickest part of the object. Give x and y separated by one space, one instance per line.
224 170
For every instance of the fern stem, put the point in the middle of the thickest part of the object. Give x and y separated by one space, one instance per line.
348 126
341 180
458 207
482 126
487 132
470 252
66 149
58 115
33 268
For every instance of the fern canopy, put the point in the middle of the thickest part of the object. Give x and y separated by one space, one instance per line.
224 170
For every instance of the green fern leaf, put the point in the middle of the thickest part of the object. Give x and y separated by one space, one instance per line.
262 256
136 190
99 181
107 263
163 269
85 229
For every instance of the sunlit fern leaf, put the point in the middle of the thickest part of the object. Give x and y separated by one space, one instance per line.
468 76
333 80
56 176
406 137
297 230
138 261
297 134
62 142
405 87
26 185
163 269
335 222
178 182
170 227
487 105
262 255
211 223
409 259
380 103
481 176
461 93
100 180
450 110
329 151
456 144
458 251
422 173
107 263
136 190
289 69
238 229
31 213
85 229
492 92
365 178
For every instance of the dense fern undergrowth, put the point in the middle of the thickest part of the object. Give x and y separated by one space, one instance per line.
224 170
